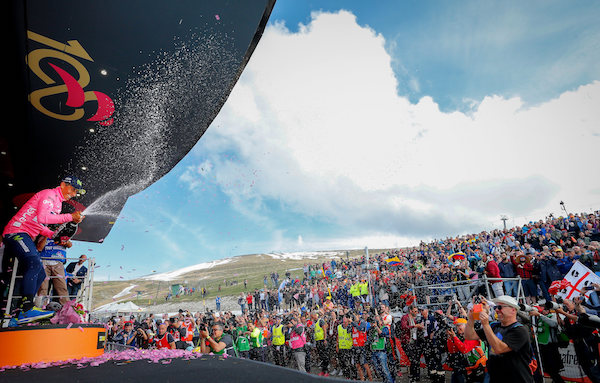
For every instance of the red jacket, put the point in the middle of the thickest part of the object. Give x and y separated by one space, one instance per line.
492 270
456 345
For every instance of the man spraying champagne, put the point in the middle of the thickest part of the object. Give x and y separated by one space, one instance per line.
19 237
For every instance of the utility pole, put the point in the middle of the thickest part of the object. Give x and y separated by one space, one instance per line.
504 218
368 274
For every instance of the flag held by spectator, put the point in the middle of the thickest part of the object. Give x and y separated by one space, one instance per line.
394 261
576 281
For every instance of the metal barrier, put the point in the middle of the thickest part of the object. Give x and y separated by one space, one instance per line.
84 295
457 289
112 346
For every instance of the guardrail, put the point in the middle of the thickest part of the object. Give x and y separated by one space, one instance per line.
84 296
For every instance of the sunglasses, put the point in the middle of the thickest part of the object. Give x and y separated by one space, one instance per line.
499 307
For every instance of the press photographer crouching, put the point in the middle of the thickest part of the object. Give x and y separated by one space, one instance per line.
510 351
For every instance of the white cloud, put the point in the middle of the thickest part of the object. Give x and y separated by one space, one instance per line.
317 125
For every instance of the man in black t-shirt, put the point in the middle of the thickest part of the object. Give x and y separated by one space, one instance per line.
510 350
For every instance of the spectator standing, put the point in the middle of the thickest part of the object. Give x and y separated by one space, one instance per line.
76 272
298 343
509 342
492 271
507 270
547 337
344 346
248 300
53 258
410 340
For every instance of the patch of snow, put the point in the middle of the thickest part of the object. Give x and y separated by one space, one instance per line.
298 256
124 292
170 275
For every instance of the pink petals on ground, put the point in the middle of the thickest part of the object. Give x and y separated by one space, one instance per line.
164 356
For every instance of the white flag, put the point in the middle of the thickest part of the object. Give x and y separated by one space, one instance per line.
578 278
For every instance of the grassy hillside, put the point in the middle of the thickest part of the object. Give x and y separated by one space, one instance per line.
229 276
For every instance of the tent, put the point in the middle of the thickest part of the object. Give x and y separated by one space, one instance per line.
116 307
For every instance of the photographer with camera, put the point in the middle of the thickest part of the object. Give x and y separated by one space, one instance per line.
127 336
142 337
178 332
547 337
510 350
466 357
163 340
581 330
219 343
378 338
258 345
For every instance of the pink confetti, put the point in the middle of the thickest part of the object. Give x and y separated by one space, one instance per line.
164 356
217 17
80 328
69 325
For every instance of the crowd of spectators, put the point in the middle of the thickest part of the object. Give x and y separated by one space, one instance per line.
374 319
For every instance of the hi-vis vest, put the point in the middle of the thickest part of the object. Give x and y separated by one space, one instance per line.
297 341
364 288
278 336
256 338
359 338
378 344
344 338
242 343
189 336
319 333
163 342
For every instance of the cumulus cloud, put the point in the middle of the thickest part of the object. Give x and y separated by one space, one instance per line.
318 126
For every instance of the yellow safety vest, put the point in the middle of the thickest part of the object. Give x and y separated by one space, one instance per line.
278 337
344 338
354 290
319 333
364 288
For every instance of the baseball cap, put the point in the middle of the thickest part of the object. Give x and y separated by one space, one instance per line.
506 300
460 320
75 182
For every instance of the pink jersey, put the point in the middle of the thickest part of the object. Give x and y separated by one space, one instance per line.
40 210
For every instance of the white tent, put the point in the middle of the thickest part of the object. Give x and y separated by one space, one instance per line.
115 307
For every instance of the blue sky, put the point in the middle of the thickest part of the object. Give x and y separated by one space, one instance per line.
379 124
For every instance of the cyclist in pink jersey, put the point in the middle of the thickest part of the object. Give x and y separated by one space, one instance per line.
19 237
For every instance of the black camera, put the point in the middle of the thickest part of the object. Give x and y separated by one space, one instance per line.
444 323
